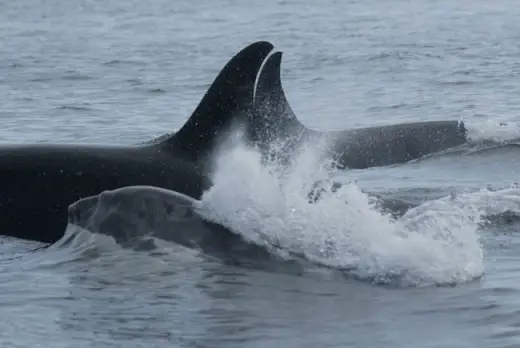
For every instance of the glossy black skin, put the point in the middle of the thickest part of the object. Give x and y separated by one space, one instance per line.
353 148
39 181
392 144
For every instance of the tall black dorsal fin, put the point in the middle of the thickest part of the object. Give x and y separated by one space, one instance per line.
230 96
273 117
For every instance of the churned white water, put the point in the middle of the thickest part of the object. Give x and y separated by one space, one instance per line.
434 243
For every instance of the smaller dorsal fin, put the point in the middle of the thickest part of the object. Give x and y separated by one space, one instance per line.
229 98
273 117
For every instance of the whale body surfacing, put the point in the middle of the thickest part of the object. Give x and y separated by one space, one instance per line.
130 213
351 148
46 178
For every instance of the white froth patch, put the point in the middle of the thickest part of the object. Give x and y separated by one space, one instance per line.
436 243
493 130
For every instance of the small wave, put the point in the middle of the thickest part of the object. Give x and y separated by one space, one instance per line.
456 83
76 245
112 62
69 76
41 79
485 147
496 207
74 107
156 90
122 62
75 76
135 82
83 247
403 55
15 249
492 205
495 131
473 148
79 246
393 106
29 255
400 55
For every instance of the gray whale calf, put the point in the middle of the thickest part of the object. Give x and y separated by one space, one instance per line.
130 213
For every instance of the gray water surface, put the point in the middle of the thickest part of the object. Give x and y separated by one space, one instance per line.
125 72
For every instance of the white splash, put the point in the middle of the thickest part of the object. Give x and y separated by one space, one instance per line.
434 243
493 130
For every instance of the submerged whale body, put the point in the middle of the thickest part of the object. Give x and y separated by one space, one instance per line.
360 148
129 214
39 181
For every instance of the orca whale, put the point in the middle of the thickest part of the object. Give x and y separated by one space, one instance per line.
44 179
133 214
273 119
39 181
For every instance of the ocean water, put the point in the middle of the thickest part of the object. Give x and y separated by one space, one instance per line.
423 254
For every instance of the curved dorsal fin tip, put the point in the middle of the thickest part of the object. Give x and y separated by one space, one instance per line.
273 116
225 101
